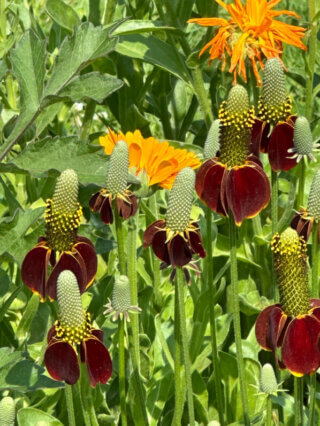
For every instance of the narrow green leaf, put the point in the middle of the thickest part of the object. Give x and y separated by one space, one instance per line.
137 26
24 326
155 51
63 14
6 305
30 416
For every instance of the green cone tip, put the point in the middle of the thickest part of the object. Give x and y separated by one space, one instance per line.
180 200
65 197
212 143
117 177
121 296
238 100
7 411
273 84
268 381
314 198
302 138
69 300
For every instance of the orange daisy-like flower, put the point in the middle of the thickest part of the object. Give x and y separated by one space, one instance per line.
250 33
159 160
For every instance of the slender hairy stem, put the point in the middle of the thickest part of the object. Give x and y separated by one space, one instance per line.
212 291
302 178
202 95
122 373
120 241
87 119
312 399
312 58
298 394
180 283
155 260
78 394
178 396
274 223
269 411
236 318
315 260
70 409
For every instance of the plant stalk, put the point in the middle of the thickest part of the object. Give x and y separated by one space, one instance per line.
122 373
269 411
180 283
312 59
236 318
70 409
178 396
120 242
202 95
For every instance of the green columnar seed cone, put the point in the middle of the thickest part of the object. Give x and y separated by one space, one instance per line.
121 297
180 201
7 411
212 143
314 198
274 105
69 300
236 119
268 381
117 177
65 197
290 262
302 138
63 213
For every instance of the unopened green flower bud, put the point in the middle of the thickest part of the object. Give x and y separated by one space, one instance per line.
238 100
314 198
7 411
69 300
290 262
65 197
268 381
212 143
180 201
273 84
121 296
117 177
302 138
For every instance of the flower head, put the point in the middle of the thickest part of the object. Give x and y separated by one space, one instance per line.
176 239
74 331
61 248
302 140
234 180
116 188
121 299
294 324
251 32
305 219
158 160
273 130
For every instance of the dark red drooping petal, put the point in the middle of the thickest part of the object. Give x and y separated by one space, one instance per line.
196 243
159 246
302 226
98 361
179 251
208 185
95 202
151 231
300 351
259 137
281 140
62 362
128 208
247 191
88 254
73 262
267 327
34 269
97 333
51 334
106 213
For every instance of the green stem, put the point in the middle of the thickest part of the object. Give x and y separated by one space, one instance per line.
120 242
180 283
87 120
3 20
83 403
155 260
202 96
70 409
178 396
269 411
212 291
312 58
298 401
312 400
315 260
236 318
274 223
302 178
122 373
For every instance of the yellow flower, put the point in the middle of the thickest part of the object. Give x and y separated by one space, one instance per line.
159 160
250 33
